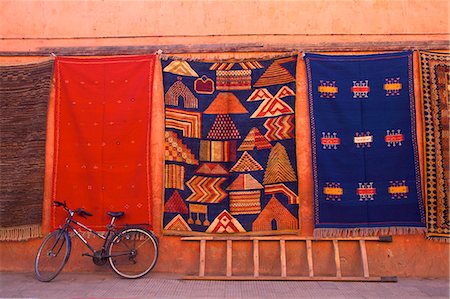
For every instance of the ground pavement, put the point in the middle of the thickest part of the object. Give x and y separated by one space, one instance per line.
156 285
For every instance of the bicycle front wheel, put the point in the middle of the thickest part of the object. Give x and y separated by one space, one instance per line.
133 252
52 255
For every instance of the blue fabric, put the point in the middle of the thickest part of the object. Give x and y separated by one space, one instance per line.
243 122
380 163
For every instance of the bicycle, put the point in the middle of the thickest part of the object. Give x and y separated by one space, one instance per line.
132 251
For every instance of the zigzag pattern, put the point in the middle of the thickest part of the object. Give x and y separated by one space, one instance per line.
279 128
188 122
283 189
206 189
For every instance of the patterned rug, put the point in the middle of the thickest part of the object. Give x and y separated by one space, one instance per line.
24 94
435 73
102 129
230 164
365 159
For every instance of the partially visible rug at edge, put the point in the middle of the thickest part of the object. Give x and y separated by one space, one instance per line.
365 157
24 94
230 164
102 129
435 89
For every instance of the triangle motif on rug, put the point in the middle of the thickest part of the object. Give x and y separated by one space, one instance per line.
274 213
254 139
226 103
276 74
279 168
178 224
223 128
180 67
246 163
175 204
244 181
225 223
212 169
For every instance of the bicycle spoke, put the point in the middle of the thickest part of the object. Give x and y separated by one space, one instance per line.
140 257
52 255
142 244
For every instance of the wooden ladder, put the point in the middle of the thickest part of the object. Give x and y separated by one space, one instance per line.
282 240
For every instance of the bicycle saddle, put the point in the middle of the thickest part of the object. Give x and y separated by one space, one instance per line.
116 214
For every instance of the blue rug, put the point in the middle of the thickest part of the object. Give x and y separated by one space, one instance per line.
365 160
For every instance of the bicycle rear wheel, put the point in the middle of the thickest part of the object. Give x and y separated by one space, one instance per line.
133 252
52 255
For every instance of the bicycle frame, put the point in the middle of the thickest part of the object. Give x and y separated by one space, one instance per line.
68 226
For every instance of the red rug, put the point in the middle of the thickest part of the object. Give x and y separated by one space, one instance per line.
102 130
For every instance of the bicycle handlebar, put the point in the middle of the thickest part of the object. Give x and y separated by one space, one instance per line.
58 203
81 212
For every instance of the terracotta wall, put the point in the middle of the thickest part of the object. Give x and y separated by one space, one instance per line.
28 26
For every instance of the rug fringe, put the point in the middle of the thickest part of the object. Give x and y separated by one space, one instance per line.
366 232
439 239
20 233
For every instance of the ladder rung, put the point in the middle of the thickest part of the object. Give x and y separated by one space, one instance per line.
201 271
337 258
283 258
229 257
255 258
310 258
362 246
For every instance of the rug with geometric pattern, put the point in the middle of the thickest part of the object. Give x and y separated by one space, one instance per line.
230 164
435 74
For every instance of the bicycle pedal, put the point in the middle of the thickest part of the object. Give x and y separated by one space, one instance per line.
87 254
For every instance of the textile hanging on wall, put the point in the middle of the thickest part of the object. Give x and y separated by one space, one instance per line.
102 130
24 94
435 73
365 159
230 164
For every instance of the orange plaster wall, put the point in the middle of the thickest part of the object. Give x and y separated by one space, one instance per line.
410 255
29 25
208 17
